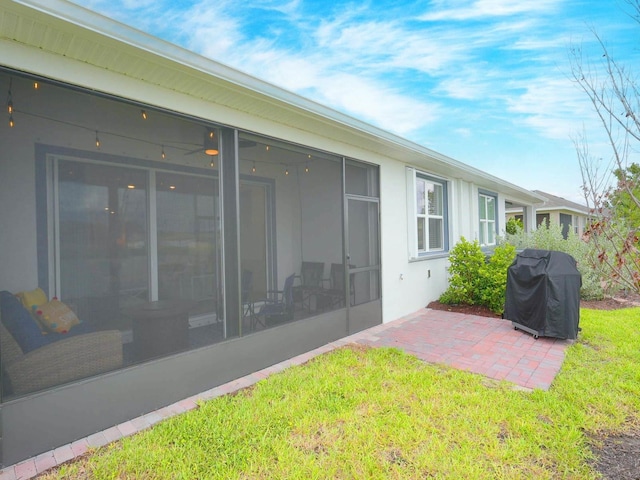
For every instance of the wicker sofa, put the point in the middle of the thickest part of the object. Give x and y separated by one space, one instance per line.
54 359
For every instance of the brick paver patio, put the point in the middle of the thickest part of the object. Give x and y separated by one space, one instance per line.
486 346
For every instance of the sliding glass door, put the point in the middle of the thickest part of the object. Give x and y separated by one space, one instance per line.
127 236
188 239
102 240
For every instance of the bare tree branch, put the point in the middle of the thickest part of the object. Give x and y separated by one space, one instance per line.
614 232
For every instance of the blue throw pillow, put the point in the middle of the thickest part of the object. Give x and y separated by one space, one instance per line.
20 324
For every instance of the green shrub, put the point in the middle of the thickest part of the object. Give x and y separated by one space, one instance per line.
493 277
476 281
514 225
465 262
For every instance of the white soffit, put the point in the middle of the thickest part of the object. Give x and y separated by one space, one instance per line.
62 28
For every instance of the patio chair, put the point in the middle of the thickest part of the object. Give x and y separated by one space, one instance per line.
334 295
311 274
278 306
248 304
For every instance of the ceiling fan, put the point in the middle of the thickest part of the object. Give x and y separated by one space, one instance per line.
210 144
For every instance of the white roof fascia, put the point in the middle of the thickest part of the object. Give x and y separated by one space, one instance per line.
568 209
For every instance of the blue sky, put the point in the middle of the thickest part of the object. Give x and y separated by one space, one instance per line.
486 82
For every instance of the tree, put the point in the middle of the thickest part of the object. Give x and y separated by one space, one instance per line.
614 231
620 201
513 226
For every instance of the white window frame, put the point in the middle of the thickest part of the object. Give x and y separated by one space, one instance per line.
487 225
413 178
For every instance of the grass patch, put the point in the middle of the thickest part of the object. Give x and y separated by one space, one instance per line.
381 413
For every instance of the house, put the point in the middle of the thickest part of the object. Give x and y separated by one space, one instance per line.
557 211
153 199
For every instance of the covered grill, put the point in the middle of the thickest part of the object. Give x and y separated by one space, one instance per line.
543 294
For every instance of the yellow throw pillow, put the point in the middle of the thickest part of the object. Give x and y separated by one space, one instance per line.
35 297
56 316
31 301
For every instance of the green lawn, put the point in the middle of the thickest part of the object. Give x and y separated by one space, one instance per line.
380 413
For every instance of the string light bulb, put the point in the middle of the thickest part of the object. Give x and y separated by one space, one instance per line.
306 169
36 85
144 114
253 169
212 164
164 155
11 122
210 144
9 98
97 140
286 171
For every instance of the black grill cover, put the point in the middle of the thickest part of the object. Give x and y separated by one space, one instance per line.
543 293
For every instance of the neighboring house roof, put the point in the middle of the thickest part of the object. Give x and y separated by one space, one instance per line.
75 33
554 202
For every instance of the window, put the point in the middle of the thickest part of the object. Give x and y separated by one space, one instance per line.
565 223
428 214
542 219
487 232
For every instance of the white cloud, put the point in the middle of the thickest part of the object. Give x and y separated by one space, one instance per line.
369 99
336 75
488 8
470 84
378 104
289 71
290 8
463 132
379 45
210 29
133 4
343 67
561 113
553 106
